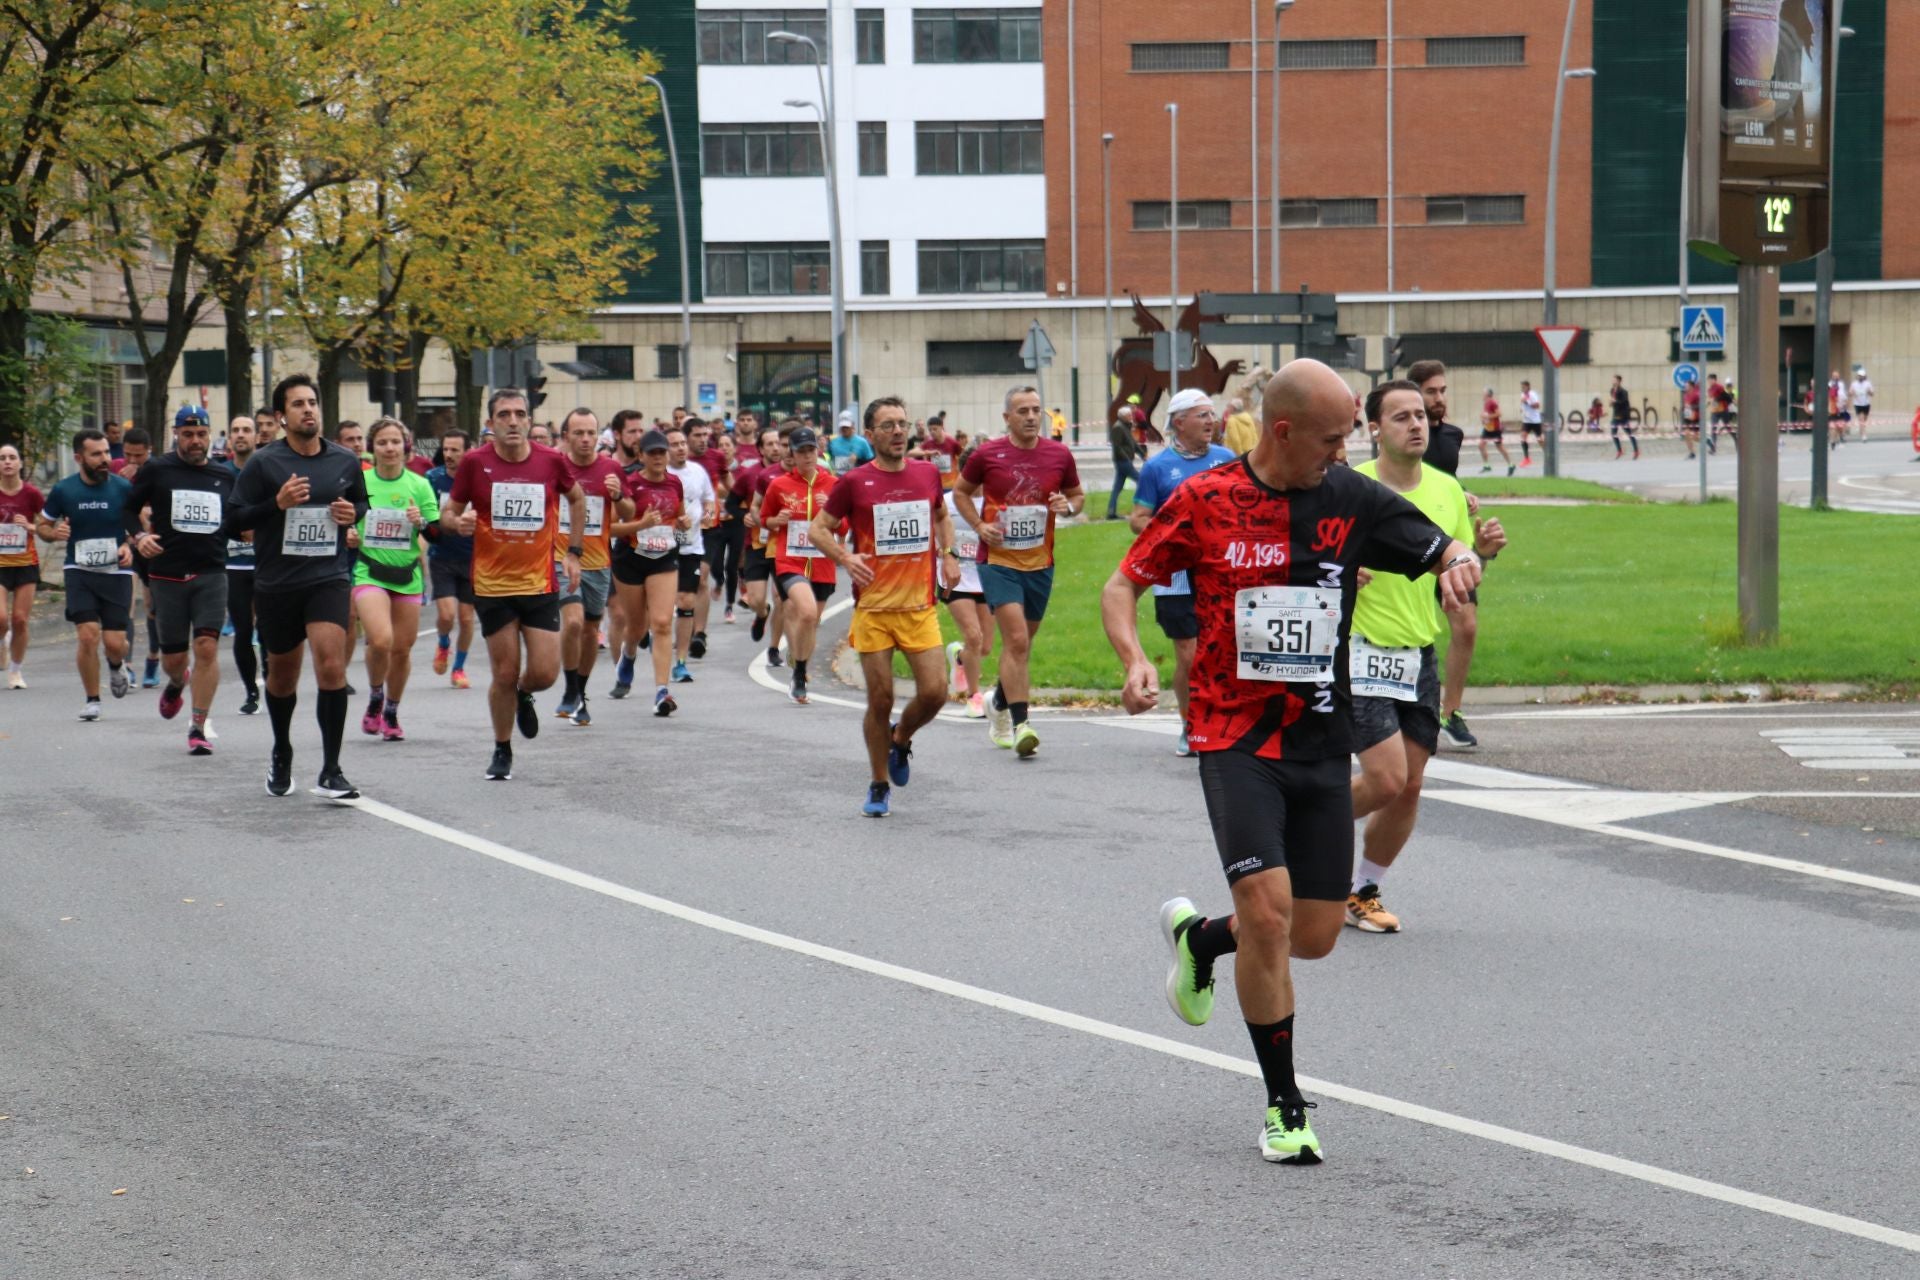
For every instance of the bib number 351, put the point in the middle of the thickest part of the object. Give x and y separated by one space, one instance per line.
1286 634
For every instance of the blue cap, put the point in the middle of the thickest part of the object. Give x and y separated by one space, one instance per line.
191 415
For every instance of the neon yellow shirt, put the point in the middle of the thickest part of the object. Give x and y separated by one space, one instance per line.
1403 613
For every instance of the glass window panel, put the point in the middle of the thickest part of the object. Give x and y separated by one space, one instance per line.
976 36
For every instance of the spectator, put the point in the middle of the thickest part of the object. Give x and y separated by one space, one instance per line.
1242 431
1126 447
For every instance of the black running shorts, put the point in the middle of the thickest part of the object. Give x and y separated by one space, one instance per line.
1291 815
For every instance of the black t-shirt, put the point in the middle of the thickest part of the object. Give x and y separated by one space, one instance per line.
1274 579
190 507
1443 447
302 547
1622 405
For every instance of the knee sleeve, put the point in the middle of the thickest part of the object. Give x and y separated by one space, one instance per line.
683 613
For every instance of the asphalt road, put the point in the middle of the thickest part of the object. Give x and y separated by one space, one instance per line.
491 1030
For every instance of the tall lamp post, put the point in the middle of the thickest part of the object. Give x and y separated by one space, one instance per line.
1106 300
835 269
1550 314
1273 170
680 219
1173 249
1823 324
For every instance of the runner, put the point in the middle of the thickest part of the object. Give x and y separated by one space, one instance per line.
505 497
627 428
450 565
1490 430
136 451
1720 411
727 540
1530 423
184 498
1190 423
967 605
242 441
646 560
902 548
803 577
713 460
756 566
1272 546
1622 418
1690 418
941 449
84 511
845 450
1394 675
1860 395
696 490
388 577
582 608
1463 624
353 438
1029 482
20 505
299 496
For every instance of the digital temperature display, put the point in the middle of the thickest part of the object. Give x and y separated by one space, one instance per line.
1779 216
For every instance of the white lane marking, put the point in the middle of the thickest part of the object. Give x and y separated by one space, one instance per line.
1570 808
1480 775
1854 746
1139 1039
1695 711
1757 859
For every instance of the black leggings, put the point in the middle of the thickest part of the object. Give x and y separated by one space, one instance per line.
240 614
726 546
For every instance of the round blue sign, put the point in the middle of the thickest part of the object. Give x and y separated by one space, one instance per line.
1685 375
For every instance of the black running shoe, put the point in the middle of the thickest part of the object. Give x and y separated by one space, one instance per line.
527 715
501 769
759 628
280 772
774 659
333 785
251 707
697 647
581 716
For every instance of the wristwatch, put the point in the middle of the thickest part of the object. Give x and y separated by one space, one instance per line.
575 549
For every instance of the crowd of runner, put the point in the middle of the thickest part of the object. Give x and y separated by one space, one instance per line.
1303 598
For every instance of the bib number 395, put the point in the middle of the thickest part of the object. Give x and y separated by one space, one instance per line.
1286 633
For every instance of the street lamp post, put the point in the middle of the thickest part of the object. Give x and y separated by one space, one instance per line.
1550 314
1106 236
1823 330
1173 249
835 269
680 219
1273 169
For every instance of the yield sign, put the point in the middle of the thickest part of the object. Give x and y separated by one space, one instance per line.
1558 340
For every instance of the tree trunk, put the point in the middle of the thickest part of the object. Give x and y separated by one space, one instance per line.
416 355
156 413
13 376
466 396
239 352
327 375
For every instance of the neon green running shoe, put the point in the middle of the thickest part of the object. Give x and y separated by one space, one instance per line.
1189 988
1288 1138
1025 740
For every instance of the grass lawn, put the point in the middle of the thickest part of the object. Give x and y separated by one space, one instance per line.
1623 594
1541 487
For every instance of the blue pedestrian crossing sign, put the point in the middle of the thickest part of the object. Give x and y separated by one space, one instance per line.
1703 328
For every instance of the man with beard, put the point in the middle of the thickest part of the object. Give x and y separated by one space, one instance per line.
84 511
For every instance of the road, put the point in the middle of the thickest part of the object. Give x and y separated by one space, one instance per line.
665 1005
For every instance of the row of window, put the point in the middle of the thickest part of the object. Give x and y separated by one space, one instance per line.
741 37
941 148
946 266
1213 215
1330 55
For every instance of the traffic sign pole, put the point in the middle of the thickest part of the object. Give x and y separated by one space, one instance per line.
1759 520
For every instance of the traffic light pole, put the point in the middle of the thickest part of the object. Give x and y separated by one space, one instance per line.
1759 516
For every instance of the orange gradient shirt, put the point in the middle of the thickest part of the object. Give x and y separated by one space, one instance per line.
891 514
517 507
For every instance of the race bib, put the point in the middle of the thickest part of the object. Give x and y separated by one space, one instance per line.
519 508
237 549
97 553
655 540
195 511
1383 673
800 541
902 528
13 538
1287 633
965 540
596 516
310 531
1023 528
943 462
387 529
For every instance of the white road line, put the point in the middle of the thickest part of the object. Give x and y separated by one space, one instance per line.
1139 1039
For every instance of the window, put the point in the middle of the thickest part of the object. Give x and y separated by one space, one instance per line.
876 268
666 361
760 151
1350 212
614 364
738 37
753 270
976 35
961 359
873 148
978 147
870 36
1498 348
1457 210
982 266
1476 51
1327 55
1193 55
1195 215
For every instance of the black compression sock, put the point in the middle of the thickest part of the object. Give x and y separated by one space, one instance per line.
1019 712
573 683
999 698
1273 1046
1526 452
800 667
280 712
330 710
1211 939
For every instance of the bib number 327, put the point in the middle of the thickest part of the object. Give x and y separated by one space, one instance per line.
1287 633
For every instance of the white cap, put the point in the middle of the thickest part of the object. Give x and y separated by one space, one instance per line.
846 417
1189 398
